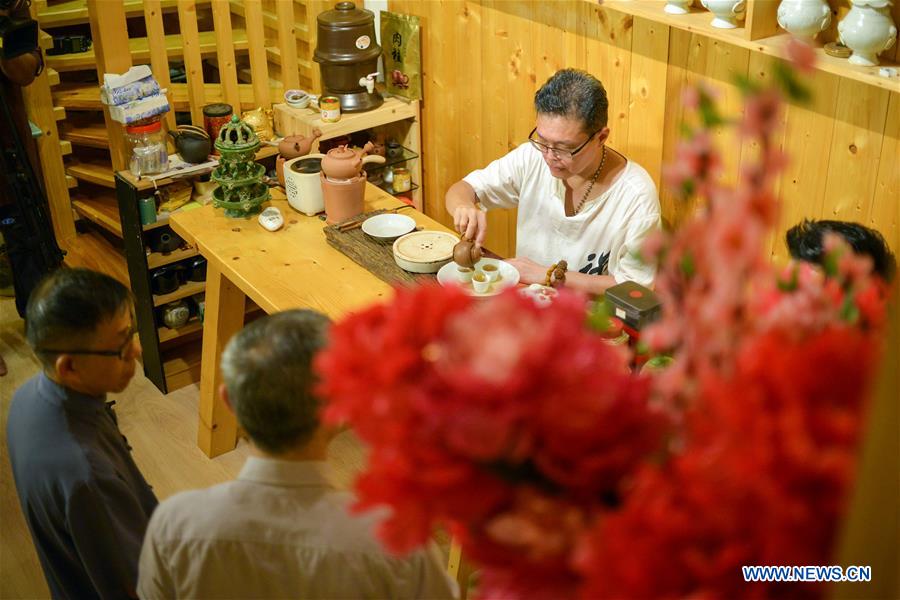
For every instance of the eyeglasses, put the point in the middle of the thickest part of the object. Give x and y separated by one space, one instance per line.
558 153
121 353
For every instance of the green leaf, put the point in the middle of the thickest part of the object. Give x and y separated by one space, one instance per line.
791 284
787 80
687 265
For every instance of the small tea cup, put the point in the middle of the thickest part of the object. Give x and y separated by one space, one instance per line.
491 271
480 282
464 274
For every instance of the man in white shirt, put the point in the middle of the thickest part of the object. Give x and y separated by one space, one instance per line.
281 530
578 200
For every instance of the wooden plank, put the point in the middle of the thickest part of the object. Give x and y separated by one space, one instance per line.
258 66
39 104
297 121
87 96
59 112
75 12
287 41
52 77
71 182
93 250
140 49
102 210
647 105
225 53
674 209
92 171
110 34
193 62
884 213
761 19
188 289
158 259
65 147
272 20
859 121
159 60
166 334
93 135
224 317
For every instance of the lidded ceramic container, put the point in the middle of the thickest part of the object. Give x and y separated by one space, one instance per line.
804 18
347 53
868 30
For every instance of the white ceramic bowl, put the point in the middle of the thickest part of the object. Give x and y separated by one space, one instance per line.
388 227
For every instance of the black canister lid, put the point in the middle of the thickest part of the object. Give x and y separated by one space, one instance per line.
219 109
346 14
307 165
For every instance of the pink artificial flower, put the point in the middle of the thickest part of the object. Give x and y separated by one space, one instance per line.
801 54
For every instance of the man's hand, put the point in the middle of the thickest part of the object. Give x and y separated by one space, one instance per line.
471 223
529 271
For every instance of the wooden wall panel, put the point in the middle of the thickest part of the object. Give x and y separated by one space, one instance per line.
476 111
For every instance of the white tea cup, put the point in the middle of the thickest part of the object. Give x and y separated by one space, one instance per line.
480 282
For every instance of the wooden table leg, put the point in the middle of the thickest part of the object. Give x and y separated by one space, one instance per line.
224 316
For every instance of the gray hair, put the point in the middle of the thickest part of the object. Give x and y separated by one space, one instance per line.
67 307
577 95
268 372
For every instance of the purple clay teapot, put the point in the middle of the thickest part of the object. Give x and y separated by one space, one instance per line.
466 253
293 146
344 163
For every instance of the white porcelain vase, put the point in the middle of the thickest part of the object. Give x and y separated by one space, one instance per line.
678 7
727 12
867 30
804 18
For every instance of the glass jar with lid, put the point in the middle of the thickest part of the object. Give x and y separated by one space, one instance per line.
147 143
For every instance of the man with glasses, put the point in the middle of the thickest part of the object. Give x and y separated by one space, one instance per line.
578 200
84 499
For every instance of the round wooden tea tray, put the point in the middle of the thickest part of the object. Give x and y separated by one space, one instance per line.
424 251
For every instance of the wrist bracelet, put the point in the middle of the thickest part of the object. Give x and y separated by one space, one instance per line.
556 274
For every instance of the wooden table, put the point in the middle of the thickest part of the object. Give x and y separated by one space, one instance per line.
293 267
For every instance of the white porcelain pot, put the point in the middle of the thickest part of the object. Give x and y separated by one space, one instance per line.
677 7
727 12
867 30
804 18
302 184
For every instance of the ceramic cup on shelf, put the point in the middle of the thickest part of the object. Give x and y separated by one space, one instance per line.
727 12
867 30
677 7
804 18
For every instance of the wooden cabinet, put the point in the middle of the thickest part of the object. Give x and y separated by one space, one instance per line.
397 119
760 33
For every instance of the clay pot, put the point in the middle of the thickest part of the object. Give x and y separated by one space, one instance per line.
293 146
192 143
344 199
466 253
343 163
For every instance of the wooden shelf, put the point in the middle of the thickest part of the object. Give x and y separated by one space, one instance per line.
291 121
92 250
75 12
142 184
188 289
86 96
166 334
181 364
158 259
93 171
159 223
698 21
100 209
94 135
52 77
140 50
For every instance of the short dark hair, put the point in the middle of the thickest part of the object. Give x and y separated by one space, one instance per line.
574 94
805 242
70 304
268 372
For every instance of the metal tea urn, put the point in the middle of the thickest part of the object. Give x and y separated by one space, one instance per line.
347 54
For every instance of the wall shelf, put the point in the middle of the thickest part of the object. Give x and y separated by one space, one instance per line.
158 259
760 17
188 289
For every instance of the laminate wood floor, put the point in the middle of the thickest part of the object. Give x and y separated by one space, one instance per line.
162 430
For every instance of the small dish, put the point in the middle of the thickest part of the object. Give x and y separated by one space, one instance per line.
508 277
388 227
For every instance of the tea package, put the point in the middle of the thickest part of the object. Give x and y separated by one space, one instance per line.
402 54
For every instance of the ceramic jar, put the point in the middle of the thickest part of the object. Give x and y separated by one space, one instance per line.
677 7
727 12
867 30
804 18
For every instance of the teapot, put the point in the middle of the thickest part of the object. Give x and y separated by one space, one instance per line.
293 146
466 253
260 119
192 143
343 163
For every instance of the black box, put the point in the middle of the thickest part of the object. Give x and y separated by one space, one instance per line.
633 303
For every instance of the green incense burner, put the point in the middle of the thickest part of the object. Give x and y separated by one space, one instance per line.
241 190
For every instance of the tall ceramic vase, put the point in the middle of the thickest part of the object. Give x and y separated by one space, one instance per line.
867 30
727 12
804 18
677 7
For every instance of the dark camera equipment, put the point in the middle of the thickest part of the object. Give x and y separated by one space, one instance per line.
70 44
17 37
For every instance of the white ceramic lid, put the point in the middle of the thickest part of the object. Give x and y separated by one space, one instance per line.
425 246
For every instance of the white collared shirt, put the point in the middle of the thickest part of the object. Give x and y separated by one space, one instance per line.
602 239
281 530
